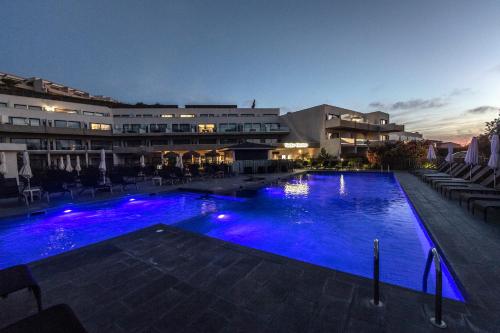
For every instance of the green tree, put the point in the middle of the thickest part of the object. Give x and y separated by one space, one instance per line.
493 127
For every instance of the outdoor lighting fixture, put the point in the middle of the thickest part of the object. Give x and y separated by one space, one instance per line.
49 108
67 211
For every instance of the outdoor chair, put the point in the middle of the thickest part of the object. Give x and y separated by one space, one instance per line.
49 187
92 183
485 206
469 198
10 190
56 319
120 180
16 278
466 178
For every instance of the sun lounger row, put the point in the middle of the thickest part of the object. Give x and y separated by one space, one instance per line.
474 188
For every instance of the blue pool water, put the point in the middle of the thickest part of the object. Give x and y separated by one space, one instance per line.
329 220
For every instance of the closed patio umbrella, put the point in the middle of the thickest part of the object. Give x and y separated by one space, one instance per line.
472 155
26 168
102 165
494 161
61 163
78 167
178 163
69 168
431 153
3 164
449 157
142 162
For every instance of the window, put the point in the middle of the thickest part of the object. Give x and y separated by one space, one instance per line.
163 142
135 128
251 127
95 114
69 145
181 141
35 108
232 115
247 115
101 144
383 121
187 115
67 124
167 115
34 122
3 105
207 141
228 141
228 127
181 128
158 128
133 143
147 116
100 127
206 128
207 115
272 127
31 144
66 110
20 106
269 115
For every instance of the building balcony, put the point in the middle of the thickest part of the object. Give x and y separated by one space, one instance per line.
42 129
169 132
354 126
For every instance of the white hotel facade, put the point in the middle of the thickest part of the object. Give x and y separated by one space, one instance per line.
54 120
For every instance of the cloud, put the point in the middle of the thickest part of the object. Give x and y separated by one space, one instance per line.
377 105
483 109
419 104
496 69
412 104
460 92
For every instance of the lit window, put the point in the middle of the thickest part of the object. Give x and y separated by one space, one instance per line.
383 121
167 115
100 127
187 115
206 128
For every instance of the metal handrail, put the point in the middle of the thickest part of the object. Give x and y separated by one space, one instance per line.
376 275
433 255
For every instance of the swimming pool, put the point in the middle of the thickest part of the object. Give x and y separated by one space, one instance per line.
326 219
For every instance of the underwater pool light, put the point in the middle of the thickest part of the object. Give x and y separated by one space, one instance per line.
67 211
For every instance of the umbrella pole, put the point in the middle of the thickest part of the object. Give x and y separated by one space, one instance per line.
470 172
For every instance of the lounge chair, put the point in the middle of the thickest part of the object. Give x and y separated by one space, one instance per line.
457 171
119 180
485 206
485 186
92 183
477 173
17 278
10 190
49 187
56 319
467 198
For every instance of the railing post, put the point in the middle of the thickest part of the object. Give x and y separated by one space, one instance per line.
376 275
437 320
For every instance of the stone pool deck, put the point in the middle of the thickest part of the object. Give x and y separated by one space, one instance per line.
177 281
220 185
470 245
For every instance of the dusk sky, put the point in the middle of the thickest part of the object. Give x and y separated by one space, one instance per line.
433 65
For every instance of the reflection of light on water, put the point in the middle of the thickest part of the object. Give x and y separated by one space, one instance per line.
297 189
342 185
208 207
61 239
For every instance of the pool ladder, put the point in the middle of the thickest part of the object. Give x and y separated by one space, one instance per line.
433 255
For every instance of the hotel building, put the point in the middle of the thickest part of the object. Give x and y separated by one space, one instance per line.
54 120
